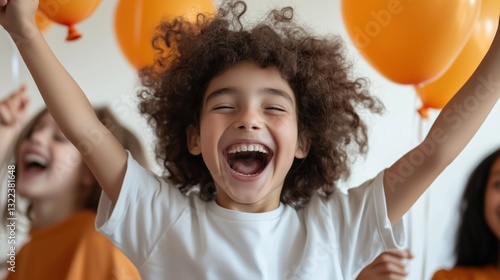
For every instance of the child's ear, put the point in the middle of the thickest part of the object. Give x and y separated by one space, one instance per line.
193 140
303 146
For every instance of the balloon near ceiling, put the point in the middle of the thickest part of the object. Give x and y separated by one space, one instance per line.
433 45
135 23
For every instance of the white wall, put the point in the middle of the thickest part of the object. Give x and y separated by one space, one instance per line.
95 61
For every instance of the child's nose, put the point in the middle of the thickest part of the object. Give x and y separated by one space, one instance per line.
40 136
249 119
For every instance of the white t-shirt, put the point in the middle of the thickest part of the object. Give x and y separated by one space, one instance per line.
168 235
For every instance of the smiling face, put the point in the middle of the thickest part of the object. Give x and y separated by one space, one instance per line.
492 199
248 136
49 166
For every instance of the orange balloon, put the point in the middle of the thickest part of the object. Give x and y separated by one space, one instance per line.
135 23
437 93
410 42
42 21
69 13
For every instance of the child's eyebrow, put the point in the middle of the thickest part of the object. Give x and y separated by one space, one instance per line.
277 92
218 92
231 91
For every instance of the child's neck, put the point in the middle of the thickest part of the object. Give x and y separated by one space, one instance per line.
45 214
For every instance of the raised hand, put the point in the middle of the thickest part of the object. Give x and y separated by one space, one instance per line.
18 18
389 265
13 111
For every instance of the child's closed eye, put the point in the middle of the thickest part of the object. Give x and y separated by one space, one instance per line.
59 137
496 184
276 109
494 181
223 107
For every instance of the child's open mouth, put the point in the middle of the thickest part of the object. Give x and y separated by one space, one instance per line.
35 163
248 159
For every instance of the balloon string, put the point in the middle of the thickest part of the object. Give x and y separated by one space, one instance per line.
411 219
422 127
15 64
420 119
425 125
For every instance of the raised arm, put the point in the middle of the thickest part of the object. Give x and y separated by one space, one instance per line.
65 100
455 126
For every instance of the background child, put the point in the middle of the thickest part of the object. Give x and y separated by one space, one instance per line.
478 250
268 207
63 197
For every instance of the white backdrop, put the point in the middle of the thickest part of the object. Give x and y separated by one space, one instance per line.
97 64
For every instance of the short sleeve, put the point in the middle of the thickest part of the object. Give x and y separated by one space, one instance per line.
364 226
146 206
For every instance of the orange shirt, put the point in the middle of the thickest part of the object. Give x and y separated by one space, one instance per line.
72 250
468 273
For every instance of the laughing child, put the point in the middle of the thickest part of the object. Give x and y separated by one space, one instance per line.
260 119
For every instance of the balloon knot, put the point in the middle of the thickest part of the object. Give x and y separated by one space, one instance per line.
423 112
73 34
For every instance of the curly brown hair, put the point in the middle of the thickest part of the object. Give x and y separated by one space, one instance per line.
328 99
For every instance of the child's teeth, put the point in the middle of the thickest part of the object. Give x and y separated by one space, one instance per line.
248 148
35 158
